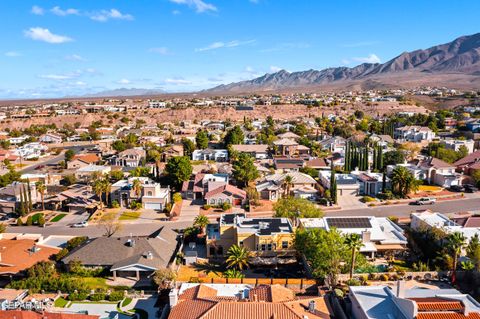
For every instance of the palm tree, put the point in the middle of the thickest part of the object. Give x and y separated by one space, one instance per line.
354 242
455 242
288 183
137 187
107 188
237 257
41 188
403 181
201 221
98 190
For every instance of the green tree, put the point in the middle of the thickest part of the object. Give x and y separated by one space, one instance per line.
178 169
201 139
244 169
234 136
393 157
69 154
41 188
354 242
294 208
188 147
403 182
201 222
165 278
69 179
288 181
473 251
455 244
237 257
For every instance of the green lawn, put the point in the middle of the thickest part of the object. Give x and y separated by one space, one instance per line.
36 217
57 218
94 282
129 216
60 302
126 302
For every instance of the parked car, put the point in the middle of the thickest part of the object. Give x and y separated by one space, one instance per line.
80 225
426 201
470 188
457 188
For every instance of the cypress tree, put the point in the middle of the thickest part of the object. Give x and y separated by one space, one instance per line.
374 164
333 185
384 180
380 158
22 203
30 203
347 158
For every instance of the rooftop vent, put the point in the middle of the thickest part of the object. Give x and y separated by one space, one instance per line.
311 306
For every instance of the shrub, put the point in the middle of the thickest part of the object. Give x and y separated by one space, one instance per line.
115 204
384 277
62 253
177 198
353 282
372 276
393 277
393 219
116 296
339 293
135 205
207 207
226 206
75 242
19 222
97 297
168 208
77 296
41 220
367 199
401 273
363 278
29 221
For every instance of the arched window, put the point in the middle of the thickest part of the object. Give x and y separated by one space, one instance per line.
149 193
212 201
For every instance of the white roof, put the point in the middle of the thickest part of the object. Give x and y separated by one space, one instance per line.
223 290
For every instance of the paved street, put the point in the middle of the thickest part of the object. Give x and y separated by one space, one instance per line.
446 207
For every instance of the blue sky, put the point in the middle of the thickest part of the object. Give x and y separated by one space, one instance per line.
60 48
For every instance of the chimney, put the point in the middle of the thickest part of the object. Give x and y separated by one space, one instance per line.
366 236
311 306
173 297
401 288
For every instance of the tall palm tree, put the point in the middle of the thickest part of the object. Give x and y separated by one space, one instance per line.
107 188
354 242
288 183
137 187
456 242
237 257
201 221
97 188
41 188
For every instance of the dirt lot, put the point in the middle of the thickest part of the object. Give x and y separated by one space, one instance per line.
154 116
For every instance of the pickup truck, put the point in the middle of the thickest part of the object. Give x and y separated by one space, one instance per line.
425 201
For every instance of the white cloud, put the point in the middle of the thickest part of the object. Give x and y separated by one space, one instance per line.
42 34
12 54
176 12
56 77
124 81
74 57
274 68
160 50
371 58
219 44
37 10
199 5
177 81
80 83
60 12
105 15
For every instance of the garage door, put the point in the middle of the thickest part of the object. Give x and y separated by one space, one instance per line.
156 206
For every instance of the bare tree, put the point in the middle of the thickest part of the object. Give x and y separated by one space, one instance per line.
110 224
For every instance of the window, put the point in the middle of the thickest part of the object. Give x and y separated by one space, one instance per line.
240 243
212 201
269 247
284 244
149 193
263 247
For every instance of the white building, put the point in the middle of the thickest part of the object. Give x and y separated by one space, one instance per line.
414 133
220 155
455 145
157 104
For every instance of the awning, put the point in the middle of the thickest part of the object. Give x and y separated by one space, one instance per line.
390 247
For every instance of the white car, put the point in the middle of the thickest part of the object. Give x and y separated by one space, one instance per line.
80 225
426 201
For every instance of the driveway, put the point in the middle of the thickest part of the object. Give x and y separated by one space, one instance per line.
350 201
189 211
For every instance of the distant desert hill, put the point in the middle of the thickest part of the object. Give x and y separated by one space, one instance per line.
453 64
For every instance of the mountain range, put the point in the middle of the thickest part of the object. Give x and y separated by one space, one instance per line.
453 64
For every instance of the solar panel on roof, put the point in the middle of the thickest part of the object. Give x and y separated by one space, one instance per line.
349 222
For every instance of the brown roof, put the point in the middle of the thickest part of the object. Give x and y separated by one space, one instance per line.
436 163
447 315
469 159
472 222
316 162
202 302
227 188
17 314
16 255
87 158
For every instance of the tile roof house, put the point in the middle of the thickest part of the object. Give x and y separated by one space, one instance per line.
127 255
82 160
378 302
469 163
215 301
440 173
413 133
224 193
273 186
257 151
152 195
132 157
197 187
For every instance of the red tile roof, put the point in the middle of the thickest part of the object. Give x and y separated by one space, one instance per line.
447 315
227 188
